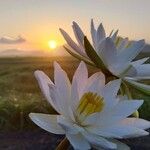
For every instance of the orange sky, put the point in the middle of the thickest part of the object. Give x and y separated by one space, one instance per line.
39 21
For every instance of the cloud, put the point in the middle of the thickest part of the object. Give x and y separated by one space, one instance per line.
10 40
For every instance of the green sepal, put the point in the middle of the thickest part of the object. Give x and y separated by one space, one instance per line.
93 55
140 86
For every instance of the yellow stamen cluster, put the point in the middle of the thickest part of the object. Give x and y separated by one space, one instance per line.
90 103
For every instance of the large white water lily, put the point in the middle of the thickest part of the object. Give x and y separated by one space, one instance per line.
90 112
111 53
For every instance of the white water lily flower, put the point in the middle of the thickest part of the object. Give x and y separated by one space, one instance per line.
90 112
116 54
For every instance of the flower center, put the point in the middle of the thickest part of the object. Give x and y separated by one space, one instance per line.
90 103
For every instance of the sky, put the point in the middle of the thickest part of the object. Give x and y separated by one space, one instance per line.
30 24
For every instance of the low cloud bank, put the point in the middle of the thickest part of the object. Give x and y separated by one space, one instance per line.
10 40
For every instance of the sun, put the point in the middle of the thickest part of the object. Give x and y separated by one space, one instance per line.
52 44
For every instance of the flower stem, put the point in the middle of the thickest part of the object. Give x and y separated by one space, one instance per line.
63 145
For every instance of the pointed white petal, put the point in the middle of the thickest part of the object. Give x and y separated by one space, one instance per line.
124 108
63 86
119 112
124 131
80 77
78 34
74 96
100 33
111 89
143 70
123 44
78 142
99 141
130 53
71 43
44 83
95 83
139 62
136 122
47 122
55 98
109 93
93 34
108 52
61 105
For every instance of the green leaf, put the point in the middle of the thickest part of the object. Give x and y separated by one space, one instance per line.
140 86
79 57
93 55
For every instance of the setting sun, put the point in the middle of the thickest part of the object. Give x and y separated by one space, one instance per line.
52 44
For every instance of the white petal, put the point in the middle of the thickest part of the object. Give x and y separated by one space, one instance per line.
123 109
119 112
139 62
108 52
71 43
99 141
120 130
121 69
44 83
78 142
63 86
109 92
143 70
136 122
62 108
67 125
103 133
95 83
47 122
74 96
93 34
55 98
124 131
78 34
100 34
80 77
120 145
123 44
130 53
111 89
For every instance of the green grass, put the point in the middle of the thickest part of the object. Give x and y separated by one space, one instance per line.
20 94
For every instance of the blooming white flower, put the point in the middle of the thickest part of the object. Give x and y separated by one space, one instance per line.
115 54
90 112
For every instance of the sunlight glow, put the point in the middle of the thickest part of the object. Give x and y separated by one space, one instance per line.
52 44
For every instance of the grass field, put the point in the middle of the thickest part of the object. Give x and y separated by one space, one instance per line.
20 94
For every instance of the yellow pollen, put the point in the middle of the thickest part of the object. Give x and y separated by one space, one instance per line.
90 103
